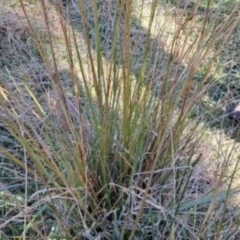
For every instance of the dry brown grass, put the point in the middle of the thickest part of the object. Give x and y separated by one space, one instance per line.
26 80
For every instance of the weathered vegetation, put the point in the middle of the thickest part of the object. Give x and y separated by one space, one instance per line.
114 119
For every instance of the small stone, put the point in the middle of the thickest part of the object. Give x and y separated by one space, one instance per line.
235 114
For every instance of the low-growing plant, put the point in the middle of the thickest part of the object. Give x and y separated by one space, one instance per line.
108 148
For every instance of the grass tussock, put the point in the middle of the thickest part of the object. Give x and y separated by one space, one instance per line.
102 129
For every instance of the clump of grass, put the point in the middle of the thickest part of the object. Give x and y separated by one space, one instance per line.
109 151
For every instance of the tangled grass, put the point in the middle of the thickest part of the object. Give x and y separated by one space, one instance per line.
106 120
